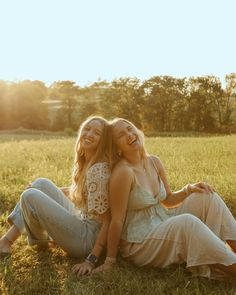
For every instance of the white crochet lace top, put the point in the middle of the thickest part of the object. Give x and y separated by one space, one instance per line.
96 190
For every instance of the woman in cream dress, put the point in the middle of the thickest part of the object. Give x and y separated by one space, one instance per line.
156 227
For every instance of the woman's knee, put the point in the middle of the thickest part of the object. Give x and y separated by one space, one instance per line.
189 219
27 195
190 224
41 183
216 198
202 196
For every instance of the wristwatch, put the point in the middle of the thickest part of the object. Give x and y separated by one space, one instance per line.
92 259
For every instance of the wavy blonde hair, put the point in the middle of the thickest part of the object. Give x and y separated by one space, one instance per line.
115 156
81 167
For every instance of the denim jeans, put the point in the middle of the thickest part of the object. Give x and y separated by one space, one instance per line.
45 213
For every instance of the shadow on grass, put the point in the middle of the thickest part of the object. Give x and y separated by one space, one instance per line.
128 279
29 272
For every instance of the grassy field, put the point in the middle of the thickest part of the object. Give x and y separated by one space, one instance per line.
24 158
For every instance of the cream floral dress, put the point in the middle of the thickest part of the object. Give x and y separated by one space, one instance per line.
194 233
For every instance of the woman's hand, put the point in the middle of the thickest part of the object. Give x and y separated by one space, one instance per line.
81 269
103 268
65 190
200 187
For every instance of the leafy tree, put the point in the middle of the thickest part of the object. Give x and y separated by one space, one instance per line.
34 112
161 103
87 109
26 107
163 96
202 99
67 92
229 103
59 120
91 100
122 99
3 104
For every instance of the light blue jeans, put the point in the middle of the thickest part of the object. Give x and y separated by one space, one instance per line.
45 213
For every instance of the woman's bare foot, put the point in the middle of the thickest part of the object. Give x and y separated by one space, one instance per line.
7 240
229 269
5 247
232 245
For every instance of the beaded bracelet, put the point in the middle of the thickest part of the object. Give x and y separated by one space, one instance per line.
110 260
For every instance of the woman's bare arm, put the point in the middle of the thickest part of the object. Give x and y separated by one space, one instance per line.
174 199
120 186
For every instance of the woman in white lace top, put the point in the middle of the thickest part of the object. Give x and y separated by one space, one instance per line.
76 219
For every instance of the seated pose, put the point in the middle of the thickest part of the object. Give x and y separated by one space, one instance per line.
16 221
46 214
153 226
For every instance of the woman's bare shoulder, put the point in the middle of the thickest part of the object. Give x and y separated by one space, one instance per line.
157 161
122 169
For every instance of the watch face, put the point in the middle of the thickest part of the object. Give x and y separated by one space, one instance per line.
92 258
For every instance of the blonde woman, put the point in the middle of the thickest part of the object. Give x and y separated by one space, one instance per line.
49 215
200 231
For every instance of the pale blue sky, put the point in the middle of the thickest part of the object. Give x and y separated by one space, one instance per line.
77 40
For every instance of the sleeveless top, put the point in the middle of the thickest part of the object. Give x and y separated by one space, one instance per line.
144 212
96 190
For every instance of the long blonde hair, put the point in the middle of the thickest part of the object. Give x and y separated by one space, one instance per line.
80 166
116 157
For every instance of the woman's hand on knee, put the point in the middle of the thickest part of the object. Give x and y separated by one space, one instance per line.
201 187
83 268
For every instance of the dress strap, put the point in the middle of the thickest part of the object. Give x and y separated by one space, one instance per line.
154 165
134 182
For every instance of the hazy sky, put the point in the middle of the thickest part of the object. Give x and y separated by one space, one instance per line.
77 40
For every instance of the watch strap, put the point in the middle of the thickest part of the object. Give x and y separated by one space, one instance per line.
92 259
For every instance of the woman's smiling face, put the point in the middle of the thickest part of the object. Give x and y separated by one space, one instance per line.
91 135
126 137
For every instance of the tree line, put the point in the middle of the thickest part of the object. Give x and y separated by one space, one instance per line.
159 104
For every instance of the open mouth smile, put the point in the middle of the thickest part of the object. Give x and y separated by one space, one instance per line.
86 140
133 141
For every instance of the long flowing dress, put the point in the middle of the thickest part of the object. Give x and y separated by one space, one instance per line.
194 233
